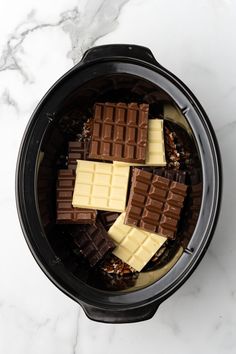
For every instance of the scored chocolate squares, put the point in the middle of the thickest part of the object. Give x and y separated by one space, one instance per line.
134 246
77 150
155 151
93 242
174 175
120 132
101 186
155 203
66 213
108 218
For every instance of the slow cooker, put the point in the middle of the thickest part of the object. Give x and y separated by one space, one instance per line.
121 73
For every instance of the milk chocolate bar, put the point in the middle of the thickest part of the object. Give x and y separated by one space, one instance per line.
77 150
66 214
155 203
108 218
155 152
120 132
93 242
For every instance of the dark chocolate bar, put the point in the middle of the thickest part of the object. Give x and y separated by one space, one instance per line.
93 242
120 132
108 218
155 203
77 150
174 175
66 213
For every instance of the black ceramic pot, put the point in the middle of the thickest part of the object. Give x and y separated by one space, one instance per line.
119 73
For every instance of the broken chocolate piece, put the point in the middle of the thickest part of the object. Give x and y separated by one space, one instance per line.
108 218
173 175
93 241
134 246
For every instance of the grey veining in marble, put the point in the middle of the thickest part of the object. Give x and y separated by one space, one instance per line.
97 19
84 27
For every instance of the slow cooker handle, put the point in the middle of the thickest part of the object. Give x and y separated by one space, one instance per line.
115 316
119 51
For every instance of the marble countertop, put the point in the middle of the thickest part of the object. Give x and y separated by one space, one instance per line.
41 40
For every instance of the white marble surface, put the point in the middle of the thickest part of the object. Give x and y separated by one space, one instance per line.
39 41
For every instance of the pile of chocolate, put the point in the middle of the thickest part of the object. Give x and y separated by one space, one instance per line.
125 188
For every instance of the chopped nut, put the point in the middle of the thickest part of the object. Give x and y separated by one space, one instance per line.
114 265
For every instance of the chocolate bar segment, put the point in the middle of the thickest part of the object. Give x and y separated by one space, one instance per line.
155 151
174 175
66 214
77 150
93 242
155 203
120 132
108 218
134 246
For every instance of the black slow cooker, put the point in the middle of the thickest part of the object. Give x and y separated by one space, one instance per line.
121 73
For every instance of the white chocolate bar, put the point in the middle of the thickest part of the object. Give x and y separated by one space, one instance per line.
101 186
134 246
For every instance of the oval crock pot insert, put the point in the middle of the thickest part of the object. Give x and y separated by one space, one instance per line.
67 124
